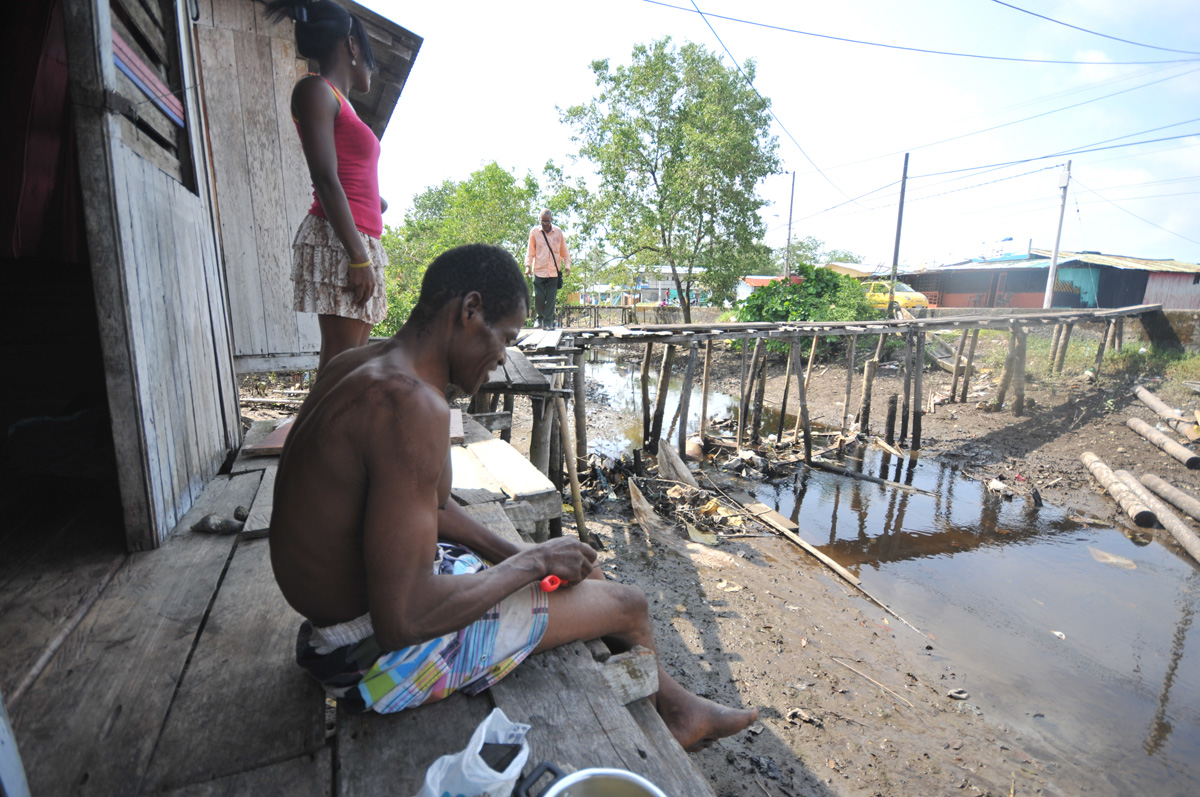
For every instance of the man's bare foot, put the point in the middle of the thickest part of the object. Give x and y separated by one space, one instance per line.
697 722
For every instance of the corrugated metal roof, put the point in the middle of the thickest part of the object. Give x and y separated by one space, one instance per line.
1120 261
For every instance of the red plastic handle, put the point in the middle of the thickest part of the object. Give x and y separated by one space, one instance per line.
551 583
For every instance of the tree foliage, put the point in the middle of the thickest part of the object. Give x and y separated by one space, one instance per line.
823 295
680 143
811 251
491 206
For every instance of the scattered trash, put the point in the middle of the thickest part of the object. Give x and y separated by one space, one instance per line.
215 524
1105 558
1059 634
958 694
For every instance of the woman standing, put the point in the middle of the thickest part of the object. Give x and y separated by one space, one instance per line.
338 262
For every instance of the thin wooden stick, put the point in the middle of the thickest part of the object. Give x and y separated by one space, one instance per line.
918 392
573 473
1019 374
904 404
787 383
704 393
812 357
970 364
646 394
1062 347
869 678
849 383
962 344
685 399
660 397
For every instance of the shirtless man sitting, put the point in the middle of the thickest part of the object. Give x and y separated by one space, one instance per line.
406 598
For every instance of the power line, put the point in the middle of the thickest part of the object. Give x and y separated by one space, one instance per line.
1136 216
1035 116
848 201
770 110
1094 33
911 49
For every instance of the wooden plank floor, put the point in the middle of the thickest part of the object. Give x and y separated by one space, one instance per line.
180 679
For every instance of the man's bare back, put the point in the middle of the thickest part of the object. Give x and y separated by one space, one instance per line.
362 504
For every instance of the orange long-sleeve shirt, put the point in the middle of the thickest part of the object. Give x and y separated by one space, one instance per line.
538 254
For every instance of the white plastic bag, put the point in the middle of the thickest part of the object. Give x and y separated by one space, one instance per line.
465 774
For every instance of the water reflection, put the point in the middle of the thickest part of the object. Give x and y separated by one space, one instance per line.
995 578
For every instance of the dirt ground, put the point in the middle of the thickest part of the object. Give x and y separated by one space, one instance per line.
852 702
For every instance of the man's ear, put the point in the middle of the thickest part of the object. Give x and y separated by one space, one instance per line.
472 306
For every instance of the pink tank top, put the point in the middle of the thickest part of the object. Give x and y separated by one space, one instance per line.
358 168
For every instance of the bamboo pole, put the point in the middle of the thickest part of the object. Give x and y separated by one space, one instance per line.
1168 492
572 472
1100 349
787 383
646 393
1054 342
1185 455
580 388
849 383
685 400
1169 520
918 409
891 420
759 393
1137 511
802 420
660 397
1019 374
743 396
704 392
812 357
970 364
904 405
1062 347
962 344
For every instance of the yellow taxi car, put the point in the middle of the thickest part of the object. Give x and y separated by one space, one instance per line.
906 297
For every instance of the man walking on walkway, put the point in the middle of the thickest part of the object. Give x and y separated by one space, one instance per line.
547 261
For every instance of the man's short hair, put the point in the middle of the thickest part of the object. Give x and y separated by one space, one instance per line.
491 270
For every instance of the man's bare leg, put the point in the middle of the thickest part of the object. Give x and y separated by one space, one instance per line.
597 608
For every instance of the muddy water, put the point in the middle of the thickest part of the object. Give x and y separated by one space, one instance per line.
1077 636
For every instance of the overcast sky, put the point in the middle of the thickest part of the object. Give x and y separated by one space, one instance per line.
491 76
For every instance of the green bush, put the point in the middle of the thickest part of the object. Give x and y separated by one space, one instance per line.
823 295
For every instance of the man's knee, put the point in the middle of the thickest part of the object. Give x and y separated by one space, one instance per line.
631 600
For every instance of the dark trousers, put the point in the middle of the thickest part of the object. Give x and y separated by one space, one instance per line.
545 290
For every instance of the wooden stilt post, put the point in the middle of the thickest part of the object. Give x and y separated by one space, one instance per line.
1062 347
802 421
539 435
685 400
646 394
864 405
506 434
849 383
578 387
747 393
812 357
890 433
970 366
704 392
918 392
904 404
962 344
1006 375
1104 341
660 398
760 390
1055 341
573 474
1019 373
1120 333
741 421
557 431
787 383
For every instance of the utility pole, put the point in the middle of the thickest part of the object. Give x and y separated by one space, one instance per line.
787 268
1064 180
899 223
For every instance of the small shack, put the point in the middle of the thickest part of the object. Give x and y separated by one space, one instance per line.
152 183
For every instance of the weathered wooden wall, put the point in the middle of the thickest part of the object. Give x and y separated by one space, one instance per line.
160 293
247 68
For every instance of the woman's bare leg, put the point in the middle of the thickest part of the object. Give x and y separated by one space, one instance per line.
596 608
339 334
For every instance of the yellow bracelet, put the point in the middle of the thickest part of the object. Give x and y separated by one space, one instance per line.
360 265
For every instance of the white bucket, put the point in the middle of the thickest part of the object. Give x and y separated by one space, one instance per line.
603 783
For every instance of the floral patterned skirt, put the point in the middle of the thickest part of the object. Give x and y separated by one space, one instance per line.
321 273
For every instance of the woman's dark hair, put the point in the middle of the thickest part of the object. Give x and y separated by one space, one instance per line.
456 272
320 26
